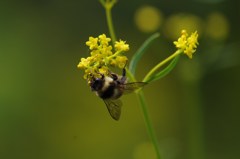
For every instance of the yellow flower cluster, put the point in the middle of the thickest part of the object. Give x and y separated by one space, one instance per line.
103 55
187 43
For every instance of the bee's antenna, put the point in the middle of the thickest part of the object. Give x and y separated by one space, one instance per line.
123 79
124 72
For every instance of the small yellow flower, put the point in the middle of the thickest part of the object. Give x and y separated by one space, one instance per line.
94 52
103 39
121 61
189 51
193 39
187 43
104 70
106 50
92 43
121 46
83 64
181 43
113 62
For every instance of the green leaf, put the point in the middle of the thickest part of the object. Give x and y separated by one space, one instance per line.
139 53
102 2
165 71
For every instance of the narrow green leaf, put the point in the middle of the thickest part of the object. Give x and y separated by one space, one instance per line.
139 53
102 2
165 71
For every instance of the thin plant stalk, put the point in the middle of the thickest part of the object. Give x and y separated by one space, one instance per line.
147 119
148 122
140 93
108 9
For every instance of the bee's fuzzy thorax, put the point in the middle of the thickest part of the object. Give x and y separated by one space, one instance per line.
107 82
108 87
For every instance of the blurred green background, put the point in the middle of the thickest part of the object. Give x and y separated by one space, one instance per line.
47 110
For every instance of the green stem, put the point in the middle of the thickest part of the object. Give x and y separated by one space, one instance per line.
154 69
114 55
108 8
148 122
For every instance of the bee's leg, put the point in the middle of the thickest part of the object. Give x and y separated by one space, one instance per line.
102 76
123 79
114 76
124 72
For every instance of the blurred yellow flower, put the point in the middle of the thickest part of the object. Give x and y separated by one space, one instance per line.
217 20
187 43
148 18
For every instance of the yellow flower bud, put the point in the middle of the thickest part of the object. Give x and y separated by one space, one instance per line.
121 46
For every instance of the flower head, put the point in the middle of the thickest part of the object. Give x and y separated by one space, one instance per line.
102 56
187 43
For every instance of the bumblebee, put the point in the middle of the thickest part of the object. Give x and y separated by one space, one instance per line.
111 88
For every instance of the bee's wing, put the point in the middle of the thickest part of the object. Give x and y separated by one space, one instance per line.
114 108
131 87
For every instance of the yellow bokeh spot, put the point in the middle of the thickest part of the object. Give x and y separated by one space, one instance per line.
217 26
148 19
175 23
144 151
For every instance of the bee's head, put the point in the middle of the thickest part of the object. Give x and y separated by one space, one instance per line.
96 84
